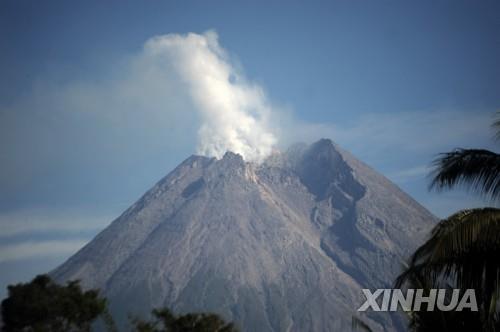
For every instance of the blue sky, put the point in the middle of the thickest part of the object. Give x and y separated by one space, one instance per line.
88 121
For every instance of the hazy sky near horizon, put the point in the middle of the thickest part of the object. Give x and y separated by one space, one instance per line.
92 115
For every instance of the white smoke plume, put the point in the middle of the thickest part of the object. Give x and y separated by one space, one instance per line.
234 113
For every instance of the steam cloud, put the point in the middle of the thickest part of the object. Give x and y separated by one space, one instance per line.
234 113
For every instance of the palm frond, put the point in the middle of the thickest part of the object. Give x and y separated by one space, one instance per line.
359 325
463 248
472 228
474 169
472 231
496 125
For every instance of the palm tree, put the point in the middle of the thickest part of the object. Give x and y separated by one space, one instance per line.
464 249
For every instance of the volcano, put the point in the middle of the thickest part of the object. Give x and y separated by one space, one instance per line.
285 245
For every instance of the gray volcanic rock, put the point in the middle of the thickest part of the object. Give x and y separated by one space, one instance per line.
282 246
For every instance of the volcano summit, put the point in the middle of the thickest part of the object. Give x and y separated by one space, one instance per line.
285 245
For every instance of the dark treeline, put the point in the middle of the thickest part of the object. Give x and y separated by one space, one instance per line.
45 306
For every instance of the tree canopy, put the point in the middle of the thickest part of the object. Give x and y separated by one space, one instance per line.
42 305
165 321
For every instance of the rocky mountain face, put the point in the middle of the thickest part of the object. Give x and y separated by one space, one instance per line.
282 246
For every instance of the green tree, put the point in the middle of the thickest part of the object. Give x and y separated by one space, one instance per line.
42 305
165 321
464 249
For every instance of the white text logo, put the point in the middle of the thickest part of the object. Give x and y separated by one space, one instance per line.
391 299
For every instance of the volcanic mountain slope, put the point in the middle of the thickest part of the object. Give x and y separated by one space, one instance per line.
282 246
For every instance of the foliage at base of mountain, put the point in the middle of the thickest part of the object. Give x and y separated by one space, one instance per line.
165 321
42 305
